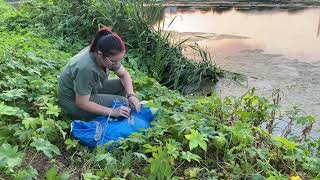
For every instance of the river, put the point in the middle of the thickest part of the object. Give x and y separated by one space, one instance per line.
275 48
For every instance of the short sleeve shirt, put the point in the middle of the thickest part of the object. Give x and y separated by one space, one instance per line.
82 75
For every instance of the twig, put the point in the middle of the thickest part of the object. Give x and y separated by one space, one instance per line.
276 100
177 168
33 158
317 176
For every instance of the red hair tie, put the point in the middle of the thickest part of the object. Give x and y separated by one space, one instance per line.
106 29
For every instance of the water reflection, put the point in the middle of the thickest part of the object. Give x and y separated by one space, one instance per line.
318 33
291 32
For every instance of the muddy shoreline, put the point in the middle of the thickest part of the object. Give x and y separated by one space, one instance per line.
243 4
297 80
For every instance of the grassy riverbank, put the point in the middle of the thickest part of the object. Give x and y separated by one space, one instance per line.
193 137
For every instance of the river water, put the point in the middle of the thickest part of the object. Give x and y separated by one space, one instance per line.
275 48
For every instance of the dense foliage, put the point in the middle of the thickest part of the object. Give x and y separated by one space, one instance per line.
134 21
193 137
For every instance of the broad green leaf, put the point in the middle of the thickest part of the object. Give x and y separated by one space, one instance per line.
9 156
10 111
219 141
150 148
53 174
242 133
45 146
23 134
272 178
71 143
63 133
140 156
192 172
27 174
52 109
31 122
289 144
257 177
90 176
160 167
173 148
190 156
12 94
107 157
196 139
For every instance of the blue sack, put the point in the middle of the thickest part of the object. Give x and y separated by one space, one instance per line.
100 131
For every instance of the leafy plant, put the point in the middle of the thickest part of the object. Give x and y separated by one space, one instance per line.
45 146
53 174
196 139
190 156
10 157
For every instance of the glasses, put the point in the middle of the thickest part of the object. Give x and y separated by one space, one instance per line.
112 62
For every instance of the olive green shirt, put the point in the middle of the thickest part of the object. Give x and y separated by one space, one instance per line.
82 75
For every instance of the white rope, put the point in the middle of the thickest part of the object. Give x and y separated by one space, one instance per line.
105 129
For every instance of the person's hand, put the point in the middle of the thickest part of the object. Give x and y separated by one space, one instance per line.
121 111
134 102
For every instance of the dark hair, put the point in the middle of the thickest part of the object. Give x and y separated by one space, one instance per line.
107 42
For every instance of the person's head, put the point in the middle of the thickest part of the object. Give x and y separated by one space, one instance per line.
108 47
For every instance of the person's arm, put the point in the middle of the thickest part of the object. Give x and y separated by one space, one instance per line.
84 103
84 81
126 81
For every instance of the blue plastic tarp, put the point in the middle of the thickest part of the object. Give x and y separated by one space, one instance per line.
101 130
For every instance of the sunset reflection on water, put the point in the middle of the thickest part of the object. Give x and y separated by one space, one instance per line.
293 33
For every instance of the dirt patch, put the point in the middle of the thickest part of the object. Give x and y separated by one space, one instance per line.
42 163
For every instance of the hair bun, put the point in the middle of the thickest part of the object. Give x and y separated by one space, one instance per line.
106 29
106 40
